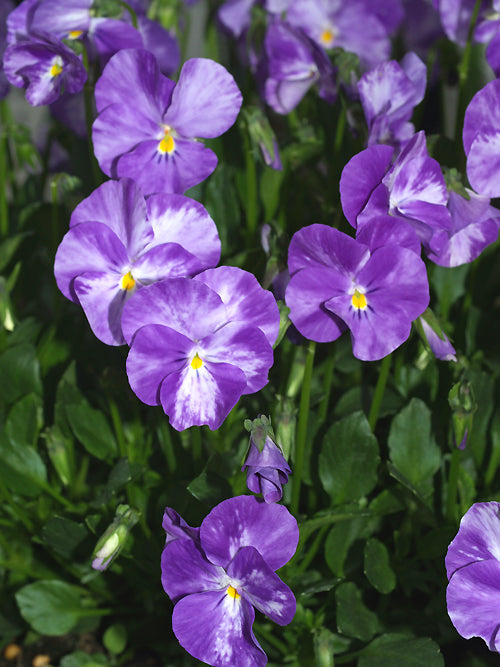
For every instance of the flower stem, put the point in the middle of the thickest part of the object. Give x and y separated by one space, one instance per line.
463 73
327 387
379 391
4 211
300 443
251 187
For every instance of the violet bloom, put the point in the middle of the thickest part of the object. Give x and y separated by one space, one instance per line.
473 569
45 67
481 137
411 188
293 63
151 135
217 581
389 93
338 283
118 242
436 338
5 8
337 24
198 345
474 225
267 470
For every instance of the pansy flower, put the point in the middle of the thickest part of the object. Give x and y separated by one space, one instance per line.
118 242
152 134
198 345
218 580
409 185
473 569
338 283
267 470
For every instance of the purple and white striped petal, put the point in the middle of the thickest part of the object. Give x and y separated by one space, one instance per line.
176 528
246 521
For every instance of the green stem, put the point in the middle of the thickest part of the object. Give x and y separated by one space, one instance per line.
311 552
4 211
167 447
251 188
451 499
463 73
87 99
300 444
379 391
197 446
274 641
117 425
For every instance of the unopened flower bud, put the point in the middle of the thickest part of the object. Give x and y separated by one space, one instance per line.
113 539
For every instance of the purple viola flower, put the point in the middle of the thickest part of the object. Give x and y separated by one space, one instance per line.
217 581
436 338
481 137
267 470
473 569
388 94
5 8
198 345
292 64
176 528
412 187
118 242
44 66
151 136
474 225
338 283
337 24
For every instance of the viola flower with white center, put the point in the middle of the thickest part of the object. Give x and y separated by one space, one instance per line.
291 65
388 94
337 24
45 67
410 187
473 569
474 226
118 242
481 137
218 581
195 349
152 134
338 283
267 468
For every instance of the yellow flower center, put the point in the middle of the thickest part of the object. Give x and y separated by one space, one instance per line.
127 281
167 144
359 300
74 34
196 362
57 67
232 592
327 37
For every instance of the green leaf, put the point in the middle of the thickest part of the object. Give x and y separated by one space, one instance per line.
25 421
9 247
115 639
396 650
20 373
51 607
63 535
210 488
449 285
349 459
377 568
22 468
342 536
412 448
81 659
91 429
353 618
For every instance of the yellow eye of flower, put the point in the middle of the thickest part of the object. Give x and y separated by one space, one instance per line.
196 362
57 67
232 592
127 281
74 34
327 37
167 144
359 300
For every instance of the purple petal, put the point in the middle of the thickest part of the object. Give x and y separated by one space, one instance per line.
102 299
178 219
483 114
441 347
361 175
217 629
90 246
244 298
188 164
245 521
205 101
121 207
478 537
388 230
60 18
162 43
176 528
185 305
113 35
206 395
483 163
156 351
184 570
235 15
169 260
262 587
305 295
473 601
